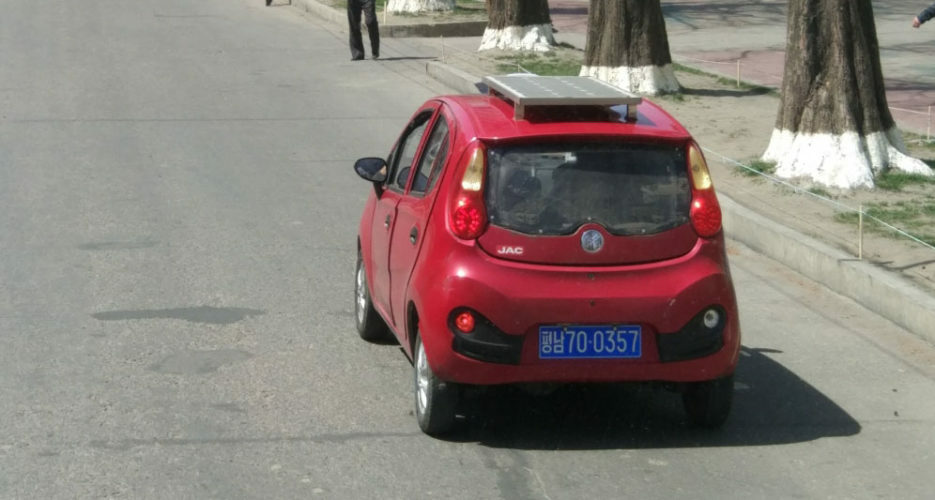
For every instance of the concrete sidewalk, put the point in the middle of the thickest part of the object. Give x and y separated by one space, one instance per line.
757 39
755 47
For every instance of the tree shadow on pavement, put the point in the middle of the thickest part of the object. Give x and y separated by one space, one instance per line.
569 11
771 406
753 91
726 13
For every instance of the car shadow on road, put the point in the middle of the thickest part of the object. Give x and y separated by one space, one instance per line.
772 405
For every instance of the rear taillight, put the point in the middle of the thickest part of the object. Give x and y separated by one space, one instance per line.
705 211
467 212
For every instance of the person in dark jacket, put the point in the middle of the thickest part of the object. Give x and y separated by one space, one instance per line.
354 8
923 16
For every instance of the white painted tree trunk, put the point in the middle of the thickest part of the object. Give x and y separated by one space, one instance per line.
647 80
536 37
845 161
416 6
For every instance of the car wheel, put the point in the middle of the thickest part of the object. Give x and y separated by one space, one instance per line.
370 325
708 403
435 398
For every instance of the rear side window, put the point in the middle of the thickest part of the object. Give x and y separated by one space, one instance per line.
406 150
433 157
629 189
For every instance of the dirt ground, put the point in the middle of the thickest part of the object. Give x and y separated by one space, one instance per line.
735 125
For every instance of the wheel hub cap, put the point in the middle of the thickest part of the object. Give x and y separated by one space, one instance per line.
422 380
361 295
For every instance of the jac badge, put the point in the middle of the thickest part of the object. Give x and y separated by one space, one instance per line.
505 250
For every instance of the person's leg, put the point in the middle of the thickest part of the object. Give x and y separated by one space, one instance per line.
353 21
373 29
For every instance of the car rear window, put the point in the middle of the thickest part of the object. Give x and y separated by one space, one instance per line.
629 189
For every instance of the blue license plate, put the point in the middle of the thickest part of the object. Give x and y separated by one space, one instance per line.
590 342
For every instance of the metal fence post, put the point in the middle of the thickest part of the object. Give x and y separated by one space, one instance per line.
928 132
860 233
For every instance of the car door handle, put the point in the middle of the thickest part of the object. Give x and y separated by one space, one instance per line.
386 223
413 235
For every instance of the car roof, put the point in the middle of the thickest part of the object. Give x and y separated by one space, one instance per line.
491 118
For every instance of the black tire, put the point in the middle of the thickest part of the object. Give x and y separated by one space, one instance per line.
435 399
268 2
708 403
370 325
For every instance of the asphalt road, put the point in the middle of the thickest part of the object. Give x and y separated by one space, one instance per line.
176 258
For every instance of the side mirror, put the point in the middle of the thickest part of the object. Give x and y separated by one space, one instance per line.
371 169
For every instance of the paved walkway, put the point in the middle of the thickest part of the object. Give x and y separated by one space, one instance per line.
757 30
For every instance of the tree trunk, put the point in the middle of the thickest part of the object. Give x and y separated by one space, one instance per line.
518 25
628 46
834 126
417 6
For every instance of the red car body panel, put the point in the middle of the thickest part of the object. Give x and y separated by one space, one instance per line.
509 245
438 273
517 297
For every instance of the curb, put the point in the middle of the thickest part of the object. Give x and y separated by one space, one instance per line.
457 79
884 293
888 295
453 29
450 29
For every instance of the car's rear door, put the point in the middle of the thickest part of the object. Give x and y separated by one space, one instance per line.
400 163
414 208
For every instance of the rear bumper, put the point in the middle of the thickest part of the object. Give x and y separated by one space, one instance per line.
518 298
458 368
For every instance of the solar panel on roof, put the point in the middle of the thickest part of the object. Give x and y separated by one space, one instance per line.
534 90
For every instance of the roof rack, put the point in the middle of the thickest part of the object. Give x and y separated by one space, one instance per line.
534 90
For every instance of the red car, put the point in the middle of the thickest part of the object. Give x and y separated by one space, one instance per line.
556 230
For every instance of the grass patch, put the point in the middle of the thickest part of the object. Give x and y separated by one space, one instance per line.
896 181
918 140
749 87
819 191
671 97
688 69
545 64
757 168
914 218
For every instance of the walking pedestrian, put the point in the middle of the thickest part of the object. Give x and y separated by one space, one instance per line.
354 9
923 16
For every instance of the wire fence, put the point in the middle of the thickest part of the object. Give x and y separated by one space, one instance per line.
862 215
448 51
